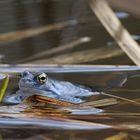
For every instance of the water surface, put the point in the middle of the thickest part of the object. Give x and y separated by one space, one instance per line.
79 124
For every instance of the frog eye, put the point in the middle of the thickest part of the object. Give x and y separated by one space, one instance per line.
42 78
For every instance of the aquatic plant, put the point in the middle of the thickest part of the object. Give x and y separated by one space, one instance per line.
3 85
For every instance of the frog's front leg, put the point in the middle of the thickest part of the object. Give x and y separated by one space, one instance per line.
14 99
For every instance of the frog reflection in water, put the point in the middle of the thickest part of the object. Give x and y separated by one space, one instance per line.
41 84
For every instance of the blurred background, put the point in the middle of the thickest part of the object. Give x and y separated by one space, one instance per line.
62 32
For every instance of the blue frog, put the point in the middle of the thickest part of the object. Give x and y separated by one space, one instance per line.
40 84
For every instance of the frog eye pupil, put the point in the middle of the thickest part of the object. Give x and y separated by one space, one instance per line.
42 78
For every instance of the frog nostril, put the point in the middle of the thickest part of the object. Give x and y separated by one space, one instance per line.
25 74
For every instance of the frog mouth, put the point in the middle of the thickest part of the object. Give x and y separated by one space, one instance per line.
28 87
30 90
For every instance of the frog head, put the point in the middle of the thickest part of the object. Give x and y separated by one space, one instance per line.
29 80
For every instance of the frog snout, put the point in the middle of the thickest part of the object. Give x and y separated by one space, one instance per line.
26 77
26 80
25 74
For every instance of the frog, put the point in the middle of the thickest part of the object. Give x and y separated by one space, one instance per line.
41 84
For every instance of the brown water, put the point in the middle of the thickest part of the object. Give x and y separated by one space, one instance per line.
80 33
56 123
81 39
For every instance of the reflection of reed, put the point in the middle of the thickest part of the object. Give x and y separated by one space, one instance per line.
82 56
26 33
21 34
58 49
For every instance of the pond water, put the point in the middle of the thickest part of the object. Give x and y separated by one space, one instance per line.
54 122
67 32
79 33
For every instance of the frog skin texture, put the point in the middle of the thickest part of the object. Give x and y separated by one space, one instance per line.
62 90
